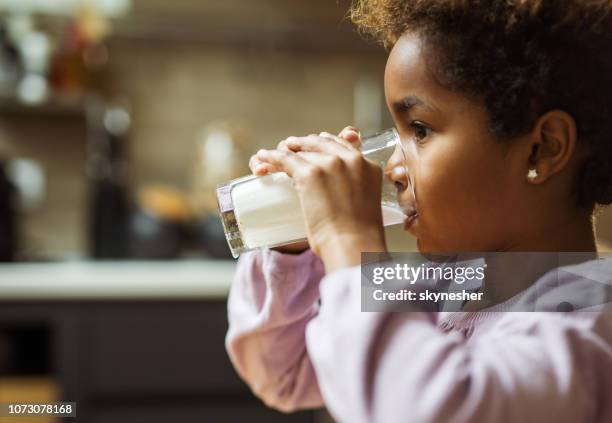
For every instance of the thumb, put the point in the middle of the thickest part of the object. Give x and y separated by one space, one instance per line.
351 134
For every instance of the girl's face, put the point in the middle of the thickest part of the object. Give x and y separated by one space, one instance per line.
468 186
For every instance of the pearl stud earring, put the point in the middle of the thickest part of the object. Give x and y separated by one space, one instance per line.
532 174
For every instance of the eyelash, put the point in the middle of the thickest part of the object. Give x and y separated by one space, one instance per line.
419 126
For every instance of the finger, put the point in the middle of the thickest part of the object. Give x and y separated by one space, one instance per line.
284 161
264 169
326 164
284 146
339 140
351 134
316 159
258 168
253 163
319 144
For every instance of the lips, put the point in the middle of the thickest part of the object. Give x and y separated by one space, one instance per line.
411 214
409 220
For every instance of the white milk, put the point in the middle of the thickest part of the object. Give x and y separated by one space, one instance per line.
392 215
268 211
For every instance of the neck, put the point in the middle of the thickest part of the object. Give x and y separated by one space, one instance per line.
570 234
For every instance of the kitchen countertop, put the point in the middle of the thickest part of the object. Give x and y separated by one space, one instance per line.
116 280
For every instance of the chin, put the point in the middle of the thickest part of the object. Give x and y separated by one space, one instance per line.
425 247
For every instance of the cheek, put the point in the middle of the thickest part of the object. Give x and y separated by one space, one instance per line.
458 192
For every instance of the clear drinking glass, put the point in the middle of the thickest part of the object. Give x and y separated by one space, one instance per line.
264 211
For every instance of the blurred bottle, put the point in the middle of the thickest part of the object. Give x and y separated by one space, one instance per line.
8 217
10 63
107 170
79 60
33 50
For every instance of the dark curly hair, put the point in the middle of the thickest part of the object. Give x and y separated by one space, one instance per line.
522 58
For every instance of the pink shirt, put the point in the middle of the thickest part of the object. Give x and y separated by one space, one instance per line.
299 339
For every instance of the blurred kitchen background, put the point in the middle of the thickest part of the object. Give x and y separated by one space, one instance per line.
117 120
118 117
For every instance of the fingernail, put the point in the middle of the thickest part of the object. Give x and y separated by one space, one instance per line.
350 130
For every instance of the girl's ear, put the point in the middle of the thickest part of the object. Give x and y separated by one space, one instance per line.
552 144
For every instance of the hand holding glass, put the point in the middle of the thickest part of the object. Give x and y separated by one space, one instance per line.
264 211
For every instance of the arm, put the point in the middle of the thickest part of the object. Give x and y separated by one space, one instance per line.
273 297
399 367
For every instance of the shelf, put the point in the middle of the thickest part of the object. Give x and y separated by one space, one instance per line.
68 106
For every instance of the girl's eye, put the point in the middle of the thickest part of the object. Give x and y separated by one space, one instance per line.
420 131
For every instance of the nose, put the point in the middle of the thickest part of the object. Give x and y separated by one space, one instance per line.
397 169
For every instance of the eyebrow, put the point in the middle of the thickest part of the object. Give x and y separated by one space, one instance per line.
410 102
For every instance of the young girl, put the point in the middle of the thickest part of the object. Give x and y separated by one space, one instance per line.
504 111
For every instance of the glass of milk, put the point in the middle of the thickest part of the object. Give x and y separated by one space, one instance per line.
265 211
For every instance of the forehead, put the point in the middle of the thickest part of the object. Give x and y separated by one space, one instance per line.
406 57
408 74
407 70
